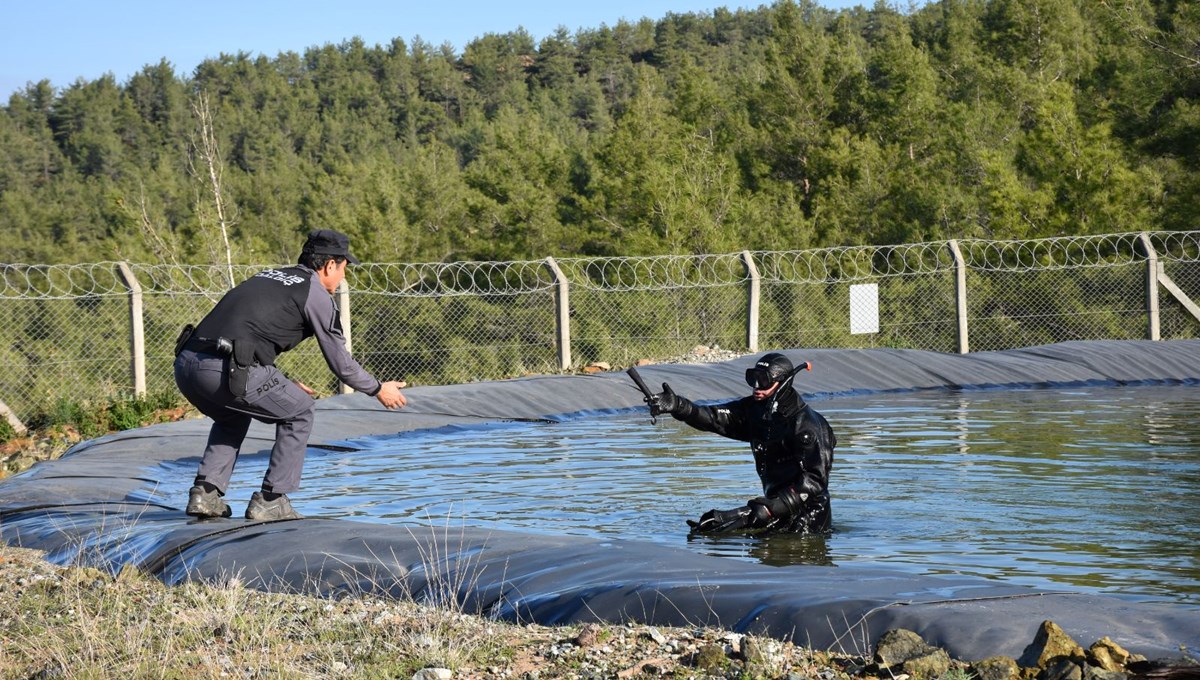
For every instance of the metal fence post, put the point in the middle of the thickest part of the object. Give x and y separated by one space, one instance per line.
960 298
752 301
137 330
562 299
1151 286
13 421
344 316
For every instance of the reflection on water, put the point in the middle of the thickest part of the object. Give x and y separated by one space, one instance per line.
779 550
1091 489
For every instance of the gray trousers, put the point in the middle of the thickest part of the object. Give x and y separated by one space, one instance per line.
270 398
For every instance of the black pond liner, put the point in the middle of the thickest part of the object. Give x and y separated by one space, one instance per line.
96 506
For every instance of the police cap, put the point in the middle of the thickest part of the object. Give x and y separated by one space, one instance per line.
329 242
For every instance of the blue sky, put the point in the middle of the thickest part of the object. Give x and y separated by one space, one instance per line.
63 41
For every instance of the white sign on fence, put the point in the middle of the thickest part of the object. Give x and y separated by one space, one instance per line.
864 308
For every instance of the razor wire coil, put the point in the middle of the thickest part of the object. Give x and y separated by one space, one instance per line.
474 278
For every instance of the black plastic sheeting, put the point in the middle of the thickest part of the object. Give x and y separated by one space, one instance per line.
97 506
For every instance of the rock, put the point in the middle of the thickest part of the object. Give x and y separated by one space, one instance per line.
733 644
654 635
901 650
1093 673
896 645
1048 644
1061 668
996 668
710 658
701 350
644 362
589 634
934 664
52 671
1108 655
646 667
752 651
433 674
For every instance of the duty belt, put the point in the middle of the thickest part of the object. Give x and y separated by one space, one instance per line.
209 346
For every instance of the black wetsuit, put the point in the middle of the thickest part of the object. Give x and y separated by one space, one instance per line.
793 452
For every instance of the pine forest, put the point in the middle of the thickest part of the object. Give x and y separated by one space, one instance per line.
785 127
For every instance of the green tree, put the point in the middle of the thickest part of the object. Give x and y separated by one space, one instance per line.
785 126
1095 189
633 169
1046 39
497 65
523 170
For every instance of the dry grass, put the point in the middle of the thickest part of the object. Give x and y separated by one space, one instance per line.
80 622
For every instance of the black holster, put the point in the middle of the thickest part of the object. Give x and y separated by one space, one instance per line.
240 361
184 336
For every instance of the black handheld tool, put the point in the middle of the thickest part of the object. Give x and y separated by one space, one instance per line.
637 378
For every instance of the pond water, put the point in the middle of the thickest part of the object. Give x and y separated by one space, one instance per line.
1092 489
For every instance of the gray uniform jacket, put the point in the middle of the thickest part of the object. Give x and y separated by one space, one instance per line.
276 309
264 316
325 320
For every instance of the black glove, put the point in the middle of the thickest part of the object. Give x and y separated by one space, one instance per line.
663 402
753 515
761 514
716 521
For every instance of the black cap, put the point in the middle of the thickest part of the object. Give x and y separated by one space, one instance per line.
329 242
768 370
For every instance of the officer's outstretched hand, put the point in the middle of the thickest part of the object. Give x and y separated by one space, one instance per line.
390 395
663 402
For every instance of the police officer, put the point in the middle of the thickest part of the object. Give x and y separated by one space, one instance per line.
226 368
792 445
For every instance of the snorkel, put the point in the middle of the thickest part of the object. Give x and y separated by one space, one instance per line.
786 383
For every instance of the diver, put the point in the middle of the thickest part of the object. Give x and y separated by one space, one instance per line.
792 446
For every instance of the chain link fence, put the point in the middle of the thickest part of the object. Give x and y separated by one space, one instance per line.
74 333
